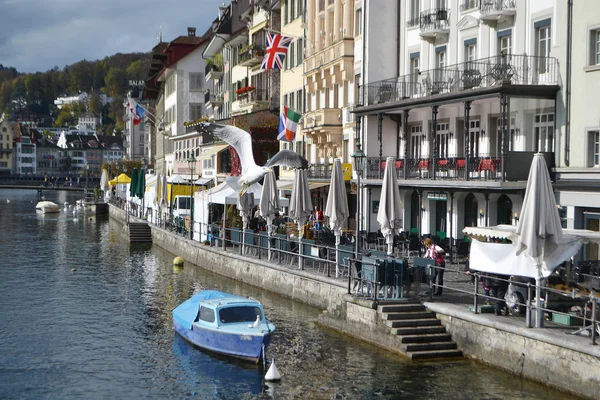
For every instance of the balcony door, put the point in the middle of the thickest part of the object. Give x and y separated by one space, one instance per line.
474 137
443 139
543 129
416 141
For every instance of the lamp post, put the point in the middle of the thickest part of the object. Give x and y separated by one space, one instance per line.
358 159
143 173
192 166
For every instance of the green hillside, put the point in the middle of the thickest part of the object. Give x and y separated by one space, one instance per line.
35 92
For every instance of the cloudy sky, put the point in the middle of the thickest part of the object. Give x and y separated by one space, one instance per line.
36 35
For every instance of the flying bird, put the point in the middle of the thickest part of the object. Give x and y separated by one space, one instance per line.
241 141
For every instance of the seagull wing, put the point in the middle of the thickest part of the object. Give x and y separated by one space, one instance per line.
288 158
239 139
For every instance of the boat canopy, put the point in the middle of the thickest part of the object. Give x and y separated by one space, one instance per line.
187 312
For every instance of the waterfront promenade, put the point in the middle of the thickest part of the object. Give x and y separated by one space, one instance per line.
549 355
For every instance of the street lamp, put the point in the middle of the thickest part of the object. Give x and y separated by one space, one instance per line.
192 166
143 174
358 159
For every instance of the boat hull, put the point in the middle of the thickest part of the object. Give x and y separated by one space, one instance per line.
245 346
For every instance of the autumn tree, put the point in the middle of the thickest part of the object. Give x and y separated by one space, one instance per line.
116 82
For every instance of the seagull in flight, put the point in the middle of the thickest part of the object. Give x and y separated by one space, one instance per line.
241 141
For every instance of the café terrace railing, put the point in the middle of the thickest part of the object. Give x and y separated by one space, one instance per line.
451 167
476 74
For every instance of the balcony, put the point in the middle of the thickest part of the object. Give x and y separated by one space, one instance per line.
461 78
251 100
494 10
213 72
213 100
336 52
251 55
324 117
435 23
483 167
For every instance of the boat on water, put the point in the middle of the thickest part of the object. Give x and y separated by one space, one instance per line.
47 207
224 323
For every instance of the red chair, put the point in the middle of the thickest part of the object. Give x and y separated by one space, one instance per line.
399 164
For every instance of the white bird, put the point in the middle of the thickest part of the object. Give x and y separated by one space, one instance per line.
7 201
257 322
241 141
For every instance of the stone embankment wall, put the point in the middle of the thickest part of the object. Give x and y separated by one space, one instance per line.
553 360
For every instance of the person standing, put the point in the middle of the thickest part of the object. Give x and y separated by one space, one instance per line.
435 252
498 285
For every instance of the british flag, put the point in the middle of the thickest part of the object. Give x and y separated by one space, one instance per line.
277 47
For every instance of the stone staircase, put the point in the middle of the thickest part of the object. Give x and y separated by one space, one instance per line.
139 232
421 334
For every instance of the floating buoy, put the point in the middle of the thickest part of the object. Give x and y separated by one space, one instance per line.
272 373
178 261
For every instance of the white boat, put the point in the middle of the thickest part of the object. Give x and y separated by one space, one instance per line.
47 207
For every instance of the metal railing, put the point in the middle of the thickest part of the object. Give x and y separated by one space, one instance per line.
481 73
490 6
212 68
435 19
252 96
320 171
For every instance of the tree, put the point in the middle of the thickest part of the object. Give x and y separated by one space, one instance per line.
80 77
35 92
94 103
18 96
137 70
116 82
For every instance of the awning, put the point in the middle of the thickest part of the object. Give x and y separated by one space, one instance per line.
202 181
212 151
287 185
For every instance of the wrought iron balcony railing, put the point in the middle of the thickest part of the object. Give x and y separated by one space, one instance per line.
494 6
482 73
435 19
320 171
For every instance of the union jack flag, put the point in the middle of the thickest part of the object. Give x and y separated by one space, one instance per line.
277 47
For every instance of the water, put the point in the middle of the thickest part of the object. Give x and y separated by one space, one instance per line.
84 315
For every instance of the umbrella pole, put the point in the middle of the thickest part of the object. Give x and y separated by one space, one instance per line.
299 245
390 244
244 226
538 301
337 255
269 227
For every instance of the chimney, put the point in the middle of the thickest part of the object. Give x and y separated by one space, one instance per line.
191 31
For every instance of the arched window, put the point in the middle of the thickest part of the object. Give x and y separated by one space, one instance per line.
504 210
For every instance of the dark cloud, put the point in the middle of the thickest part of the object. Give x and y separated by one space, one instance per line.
37 35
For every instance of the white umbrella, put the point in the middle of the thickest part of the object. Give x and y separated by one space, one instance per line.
337 207
539 230
390 208
104 182
300 206
245 206
269 204
178 179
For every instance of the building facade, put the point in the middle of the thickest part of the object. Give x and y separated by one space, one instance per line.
6 146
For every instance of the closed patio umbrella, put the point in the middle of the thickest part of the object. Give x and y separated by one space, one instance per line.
133 183
141 184
337 208
390 208
300 206
539 230
245 206
269 204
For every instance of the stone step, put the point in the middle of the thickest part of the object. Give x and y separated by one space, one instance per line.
414 322
425 355
399 308
418 330
431 346
428 338
408 315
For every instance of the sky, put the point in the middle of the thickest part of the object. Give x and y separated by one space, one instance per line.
37 35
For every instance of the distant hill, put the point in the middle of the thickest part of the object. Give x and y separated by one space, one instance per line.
36 92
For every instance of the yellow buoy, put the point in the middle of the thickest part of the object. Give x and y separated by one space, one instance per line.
178 261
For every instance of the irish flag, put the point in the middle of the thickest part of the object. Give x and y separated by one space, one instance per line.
288 122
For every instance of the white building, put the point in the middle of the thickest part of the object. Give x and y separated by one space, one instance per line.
77 98
88 123
461 93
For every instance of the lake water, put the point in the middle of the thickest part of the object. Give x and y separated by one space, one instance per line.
85 315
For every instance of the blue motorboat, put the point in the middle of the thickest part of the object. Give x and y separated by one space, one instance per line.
224 323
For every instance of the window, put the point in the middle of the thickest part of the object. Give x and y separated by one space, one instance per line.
416 139
358 22
474 133
415 10
594 146
542 44
415 63
543 129
196 80
505 43
470 52
239 314
440 64
195 111
443 137
595 47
